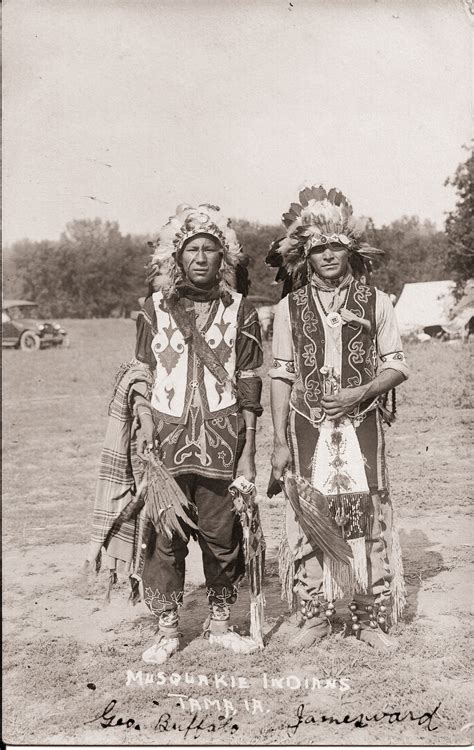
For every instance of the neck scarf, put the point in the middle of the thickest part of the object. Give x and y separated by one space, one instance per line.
322 285
189 290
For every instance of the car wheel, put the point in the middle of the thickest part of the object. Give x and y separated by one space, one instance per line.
29 341
66 343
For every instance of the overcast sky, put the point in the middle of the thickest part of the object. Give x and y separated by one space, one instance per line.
144 105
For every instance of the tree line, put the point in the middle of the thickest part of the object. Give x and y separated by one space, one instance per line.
94 270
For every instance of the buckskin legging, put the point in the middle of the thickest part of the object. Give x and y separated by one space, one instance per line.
220 539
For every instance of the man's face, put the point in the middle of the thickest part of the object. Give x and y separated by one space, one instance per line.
329 261
201 260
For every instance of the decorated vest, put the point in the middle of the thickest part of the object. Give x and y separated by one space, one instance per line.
358 347
179 371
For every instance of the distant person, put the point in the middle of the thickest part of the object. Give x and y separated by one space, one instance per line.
194 396
336 350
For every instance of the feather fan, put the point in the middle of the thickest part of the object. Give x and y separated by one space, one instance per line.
312 513
167 506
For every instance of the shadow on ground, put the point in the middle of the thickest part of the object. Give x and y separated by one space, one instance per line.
420 564
195 610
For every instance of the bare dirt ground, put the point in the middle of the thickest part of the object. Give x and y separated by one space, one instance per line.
67 653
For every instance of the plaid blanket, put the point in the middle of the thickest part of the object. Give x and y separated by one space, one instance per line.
120 471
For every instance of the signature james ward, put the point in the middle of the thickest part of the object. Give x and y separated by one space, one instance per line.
362 720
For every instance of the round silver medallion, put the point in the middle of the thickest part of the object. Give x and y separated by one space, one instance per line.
334 320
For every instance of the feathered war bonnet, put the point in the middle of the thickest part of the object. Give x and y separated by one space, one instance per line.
320 218
165 270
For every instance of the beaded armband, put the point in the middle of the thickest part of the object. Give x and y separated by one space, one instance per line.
246 374
393 357
283 368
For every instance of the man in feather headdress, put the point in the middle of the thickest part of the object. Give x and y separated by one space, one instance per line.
193 394
336 350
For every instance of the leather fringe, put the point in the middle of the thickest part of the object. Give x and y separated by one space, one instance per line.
397 586
257 604
257 598
359 564
286 572
338 579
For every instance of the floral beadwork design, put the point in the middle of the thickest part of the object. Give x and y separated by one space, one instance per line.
158 603
227 595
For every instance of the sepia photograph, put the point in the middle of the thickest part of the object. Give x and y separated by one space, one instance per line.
237 309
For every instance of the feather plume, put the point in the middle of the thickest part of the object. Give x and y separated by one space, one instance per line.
305 196
296 209
274 258
312 513
368 252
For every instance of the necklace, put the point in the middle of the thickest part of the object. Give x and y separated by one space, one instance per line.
333 318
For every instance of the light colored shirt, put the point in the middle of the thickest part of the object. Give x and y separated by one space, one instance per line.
387 338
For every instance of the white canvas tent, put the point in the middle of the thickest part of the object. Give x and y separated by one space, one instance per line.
424 303
463 311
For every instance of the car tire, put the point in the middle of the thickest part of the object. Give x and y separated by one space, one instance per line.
66 343
30 341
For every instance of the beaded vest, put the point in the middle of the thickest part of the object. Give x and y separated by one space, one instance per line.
179 372
358 347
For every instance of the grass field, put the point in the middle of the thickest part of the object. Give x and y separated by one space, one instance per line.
66 653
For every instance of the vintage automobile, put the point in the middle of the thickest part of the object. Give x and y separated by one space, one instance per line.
23 328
